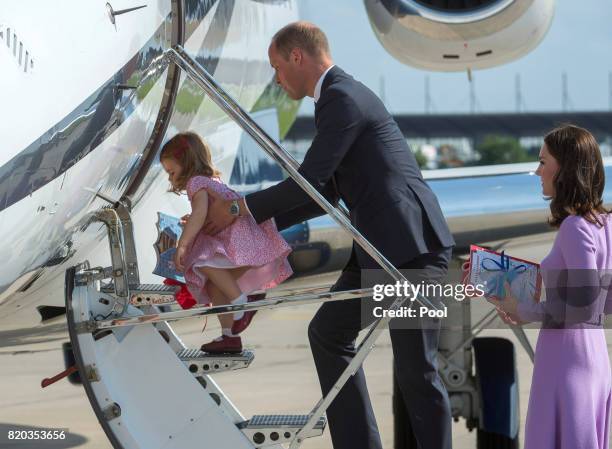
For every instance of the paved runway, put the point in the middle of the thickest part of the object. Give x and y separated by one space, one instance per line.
282 378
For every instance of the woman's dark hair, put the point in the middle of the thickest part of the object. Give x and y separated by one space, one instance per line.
579 183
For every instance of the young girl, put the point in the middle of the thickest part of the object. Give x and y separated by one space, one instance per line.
225 267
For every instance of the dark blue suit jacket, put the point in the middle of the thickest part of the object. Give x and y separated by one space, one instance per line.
360 155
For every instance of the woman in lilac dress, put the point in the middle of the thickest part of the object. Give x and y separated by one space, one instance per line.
570 398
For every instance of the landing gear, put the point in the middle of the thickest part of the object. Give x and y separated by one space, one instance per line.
497 383
488 440
488 399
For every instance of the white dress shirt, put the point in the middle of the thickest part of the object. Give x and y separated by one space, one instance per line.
317 91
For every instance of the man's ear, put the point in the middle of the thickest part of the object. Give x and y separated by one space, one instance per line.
296 56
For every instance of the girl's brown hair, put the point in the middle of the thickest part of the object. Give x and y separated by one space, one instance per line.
193 155
579 183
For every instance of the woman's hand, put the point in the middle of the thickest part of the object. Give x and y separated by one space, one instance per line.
465 280
179 258
509 319
507 307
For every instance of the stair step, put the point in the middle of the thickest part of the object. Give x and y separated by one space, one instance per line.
268 430
152 294
200 363
161 294
173 315
147 294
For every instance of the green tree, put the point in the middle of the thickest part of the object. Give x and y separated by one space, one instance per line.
420 158
501 150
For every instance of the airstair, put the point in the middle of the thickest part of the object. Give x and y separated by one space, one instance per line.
146 387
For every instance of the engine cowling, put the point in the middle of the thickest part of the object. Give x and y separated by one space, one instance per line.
455 35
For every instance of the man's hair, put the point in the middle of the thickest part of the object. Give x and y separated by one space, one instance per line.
303 35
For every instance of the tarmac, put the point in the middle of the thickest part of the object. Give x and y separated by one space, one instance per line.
282 379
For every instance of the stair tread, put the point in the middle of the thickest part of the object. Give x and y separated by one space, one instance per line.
139 288
190 354
266 421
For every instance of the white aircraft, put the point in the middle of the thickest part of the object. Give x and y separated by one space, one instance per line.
90 92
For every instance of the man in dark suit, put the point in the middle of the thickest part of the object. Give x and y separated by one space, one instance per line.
360 156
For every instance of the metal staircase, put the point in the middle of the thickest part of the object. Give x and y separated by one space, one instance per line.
123 305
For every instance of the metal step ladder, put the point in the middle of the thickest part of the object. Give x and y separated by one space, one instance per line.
124 270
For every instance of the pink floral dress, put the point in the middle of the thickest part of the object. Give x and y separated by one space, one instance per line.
244 243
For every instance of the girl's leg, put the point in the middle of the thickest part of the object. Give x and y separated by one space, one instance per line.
223 280
218 299
223 288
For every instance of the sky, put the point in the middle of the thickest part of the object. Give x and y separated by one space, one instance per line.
579 43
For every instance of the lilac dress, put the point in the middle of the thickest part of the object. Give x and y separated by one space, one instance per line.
243 243
570 397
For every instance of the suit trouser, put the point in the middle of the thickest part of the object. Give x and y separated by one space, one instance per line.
332 334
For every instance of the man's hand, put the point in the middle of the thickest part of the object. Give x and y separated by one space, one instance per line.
218 217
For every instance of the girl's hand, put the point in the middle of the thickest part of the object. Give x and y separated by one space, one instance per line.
179 257
506 307
184 220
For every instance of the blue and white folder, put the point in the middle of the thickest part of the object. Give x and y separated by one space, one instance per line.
168 233
491 270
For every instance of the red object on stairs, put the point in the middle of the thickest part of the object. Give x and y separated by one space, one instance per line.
183 297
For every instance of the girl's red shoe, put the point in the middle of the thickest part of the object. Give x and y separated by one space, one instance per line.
241 324
225 345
